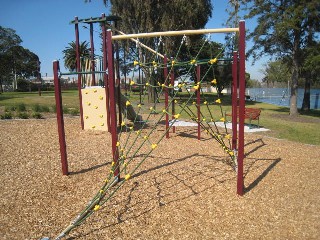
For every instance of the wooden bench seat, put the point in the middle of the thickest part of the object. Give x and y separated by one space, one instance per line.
249 113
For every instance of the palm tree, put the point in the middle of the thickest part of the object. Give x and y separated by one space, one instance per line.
70 60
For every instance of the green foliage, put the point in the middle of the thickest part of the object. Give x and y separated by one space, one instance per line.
6 115
74 111
37 115
23 115
40 108
21 107
9 108
69 54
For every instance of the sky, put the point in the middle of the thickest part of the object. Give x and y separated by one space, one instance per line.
43 26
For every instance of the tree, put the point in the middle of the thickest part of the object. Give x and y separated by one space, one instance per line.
282 31
276 71
70 59
8 39
16 61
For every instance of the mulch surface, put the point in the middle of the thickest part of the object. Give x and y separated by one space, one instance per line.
185 190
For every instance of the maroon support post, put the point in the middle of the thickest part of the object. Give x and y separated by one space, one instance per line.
113 114
93 67
234 93
105 75
242 66
62 139
198 101
166 94
78 70
173 103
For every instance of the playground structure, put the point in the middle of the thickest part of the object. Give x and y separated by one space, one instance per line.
92 100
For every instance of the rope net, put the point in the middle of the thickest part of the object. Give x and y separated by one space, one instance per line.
185 100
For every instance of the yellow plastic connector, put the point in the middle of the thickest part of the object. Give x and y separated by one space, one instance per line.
214 81
218 100
205 102
135 63
173 62
123 124
177 116
228 136
196 87
96 207
127 177
213 61
154 146
147 84
145 137
193 61
151 108
222 119
101 191
139 105
132 82
128 103
118 144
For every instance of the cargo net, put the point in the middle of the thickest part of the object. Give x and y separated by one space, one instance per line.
171 102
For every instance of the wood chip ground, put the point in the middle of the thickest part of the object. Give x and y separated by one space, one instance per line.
185 190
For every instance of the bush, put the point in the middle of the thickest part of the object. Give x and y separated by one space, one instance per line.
74 111
9 108
6 115
21 107
37 115
36 108
23 115
54 108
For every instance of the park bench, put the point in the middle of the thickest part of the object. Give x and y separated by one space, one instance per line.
249 113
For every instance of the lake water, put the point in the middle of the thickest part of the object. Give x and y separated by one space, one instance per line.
281 96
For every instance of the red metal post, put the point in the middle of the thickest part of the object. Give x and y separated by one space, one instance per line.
198 101
173 104
78 70
166 94
92 55
242 69
234 94
105 75
62 138
113 113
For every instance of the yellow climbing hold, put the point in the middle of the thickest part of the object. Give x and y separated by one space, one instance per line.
96 107
128 103
101 124
100 97
86 92
154 145
214 81
96 207
101 115
177 116
127 177
86 116
93 126
218 100
95 90
212 61
88 103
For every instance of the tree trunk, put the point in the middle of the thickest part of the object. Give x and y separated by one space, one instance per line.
294 92
306 95
295 74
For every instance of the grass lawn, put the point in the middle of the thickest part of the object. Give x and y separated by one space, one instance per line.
303 128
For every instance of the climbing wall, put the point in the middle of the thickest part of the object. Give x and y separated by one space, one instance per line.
94 108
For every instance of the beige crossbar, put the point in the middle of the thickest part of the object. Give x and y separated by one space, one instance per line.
175 33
